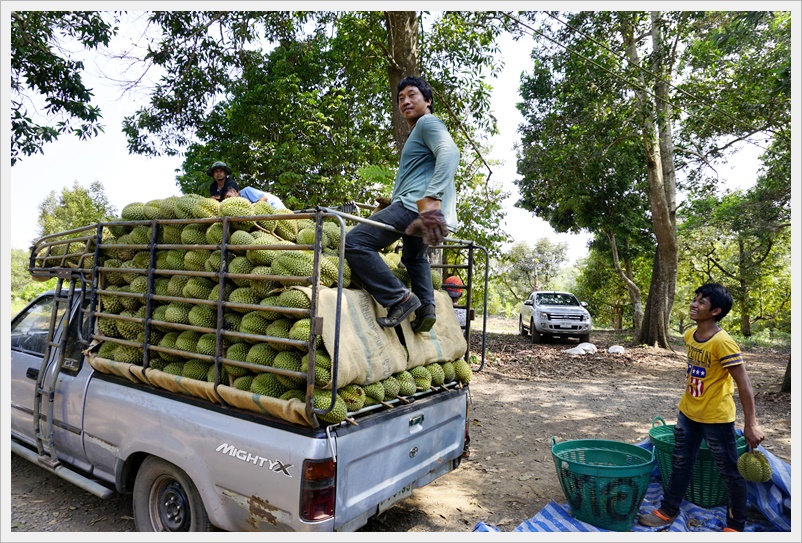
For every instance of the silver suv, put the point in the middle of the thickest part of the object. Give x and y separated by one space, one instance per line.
547 314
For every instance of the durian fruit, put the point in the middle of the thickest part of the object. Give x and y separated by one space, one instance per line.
437 279
243 295
268 384
239 353
211 374
129 355
240 265
187 341
322 400
203 316
391 387
374 393
195 259
406 382
264 257
265 209
197 287
438 375
333 234
423 377
174 368
196 369
353 395
322 373
294 298
262 287
128 329
107 349
293 264
168 342
108 327
207 344
286 228
253 323
296 393
135 211
178 312
448 371
176 284
462 371
214 233
280 328
403 276
193 234
754 467
289 360
184 205
243 382
205 208
237 207
262 354
322 359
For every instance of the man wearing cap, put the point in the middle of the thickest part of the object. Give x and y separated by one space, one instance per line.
222 180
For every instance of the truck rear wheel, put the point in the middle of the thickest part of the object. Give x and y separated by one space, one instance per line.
166 500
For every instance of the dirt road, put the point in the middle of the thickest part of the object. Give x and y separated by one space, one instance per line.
525 395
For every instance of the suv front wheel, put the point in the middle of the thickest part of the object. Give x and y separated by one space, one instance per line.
521 329
534 333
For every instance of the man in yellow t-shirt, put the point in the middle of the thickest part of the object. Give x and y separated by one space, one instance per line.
707 410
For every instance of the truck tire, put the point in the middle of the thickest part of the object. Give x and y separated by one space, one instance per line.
521 329
534 333
584 338
166 500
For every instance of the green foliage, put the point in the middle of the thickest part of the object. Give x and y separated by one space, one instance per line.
74 208
45 77
309 117
514 273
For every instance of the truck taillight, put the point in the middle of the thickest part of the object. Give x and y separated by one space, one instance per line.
318 491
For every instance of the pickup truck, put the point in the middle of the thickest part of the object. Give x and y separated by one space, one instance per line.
224 458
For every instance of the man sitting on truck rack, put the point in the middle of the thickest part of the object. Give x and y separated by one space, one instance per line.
222 180
423 206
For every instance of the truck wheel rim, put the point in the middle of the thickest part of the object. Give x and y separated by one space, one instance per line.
170 507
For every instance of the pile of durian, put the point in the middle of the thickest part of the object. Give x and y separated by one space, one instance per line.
261 271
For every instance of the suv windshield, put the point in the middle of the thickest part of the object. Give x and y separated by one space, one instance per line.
553 298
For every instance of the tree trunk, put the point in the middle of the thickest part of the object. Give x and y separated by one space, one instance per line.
659 147
402 61
632 288
787 379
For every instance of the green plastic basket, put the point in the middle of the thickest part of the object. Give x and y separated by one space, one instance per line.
707 488
604 481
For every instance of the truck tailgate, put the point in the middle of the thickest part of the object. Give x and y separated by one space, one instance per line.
413 443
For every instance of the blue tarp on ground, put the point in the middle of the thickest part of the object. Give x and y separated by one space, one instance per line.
772 500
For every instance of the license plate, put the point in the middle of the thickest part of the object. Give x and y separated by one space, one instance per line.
569 326
400 495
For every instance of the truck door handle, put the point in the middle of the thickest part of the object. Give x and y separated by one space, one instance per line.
32 373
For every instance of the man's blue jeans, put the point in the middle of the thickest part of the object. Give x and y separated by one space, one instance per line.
362 245
721 440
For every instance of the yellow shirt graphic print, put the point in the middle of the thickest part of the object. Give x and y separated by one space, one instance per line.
708 383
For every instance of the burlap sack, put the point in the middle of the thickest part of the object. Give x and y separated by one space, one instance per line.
369 353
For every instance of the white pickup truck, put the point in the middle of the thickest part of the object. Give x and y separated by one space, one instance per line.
198 454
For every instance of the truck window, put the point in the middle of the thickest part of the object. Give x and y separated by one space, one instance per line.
29 329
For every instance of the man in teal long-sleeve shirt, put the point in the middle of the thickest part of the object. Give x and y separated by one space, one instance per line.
423 206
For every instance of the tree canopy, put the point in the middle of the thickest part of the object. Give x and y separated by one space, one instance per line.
47 82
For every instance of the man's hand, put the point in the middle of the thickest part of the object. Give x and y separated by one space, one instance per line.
430 224
383 202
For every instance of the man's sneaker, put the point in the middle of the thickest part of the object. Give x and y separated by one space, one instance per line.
655 519
425 318
400 311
